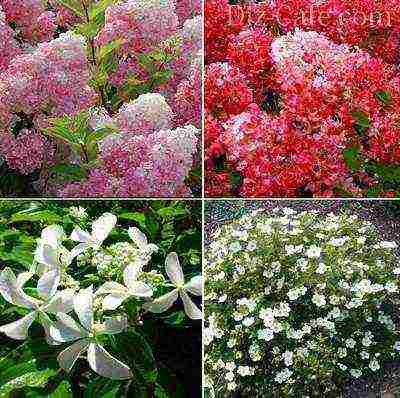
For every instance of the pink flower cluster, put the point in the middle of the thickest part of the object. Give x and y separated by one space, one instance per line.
147 158
46 74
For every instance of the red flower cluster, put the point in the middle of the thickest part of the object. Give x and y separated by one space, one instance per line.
299 106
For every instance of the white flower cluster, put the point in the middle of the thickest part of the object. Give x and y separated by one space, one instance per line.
297 301
53 307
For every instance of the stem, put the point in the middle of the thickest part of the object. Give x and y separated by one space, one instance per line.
93 54
84 152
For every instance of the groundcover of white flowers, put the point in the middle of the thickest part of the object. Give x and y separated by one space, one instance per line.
300 301
100 299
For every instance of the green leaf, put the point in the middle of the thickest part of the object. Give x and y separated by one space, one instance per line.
162 77
362 122
70 172
387 173
62 391
109 48
140 218
73 6
46 216
31 379
384 96
352 158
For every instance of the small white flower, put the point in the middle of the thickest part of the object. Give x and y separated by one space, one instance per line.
355 373
374 365
175 274
364 354
248 321
313 252
230 376
319 300
321 268
223 298
265 334
350 343
397 346
287 357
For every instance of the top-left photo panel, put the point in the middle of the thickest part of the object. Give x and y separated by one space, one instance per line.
100 98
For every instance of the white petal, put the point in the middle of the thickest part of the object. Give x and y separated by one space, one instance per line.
140 289
115 324
48 255
79 235
62 301
83 306
52 235
46 322
22 278
66 329
12 293
48 283
162 303
190 308
195 285
131 272
78 249
102 227
138 237
106 365
113 301
18 330
68 357
110 287
174 269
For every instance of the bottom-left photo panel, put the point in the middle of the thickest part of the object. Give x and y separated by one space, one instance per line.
100 298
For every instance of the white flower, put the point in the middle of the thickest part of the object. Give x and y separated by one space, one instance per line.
140 240
251 246
313 252
265 334
248 321
374 365
391 287
350 343
342 367
364 354
101 228
355 373
78 212
50 253
366 341
175 274
231 366
319 300
282 376
337 242
397 346
291 249
287 357
223 298
231 386
84 335
396 271
387 245
116 293
244 371
235 247
230 376
342 352
321 269
50 301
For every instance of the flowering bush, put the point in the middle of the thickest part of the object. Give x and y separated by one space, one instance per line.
94 293
297 304
302 98
97 97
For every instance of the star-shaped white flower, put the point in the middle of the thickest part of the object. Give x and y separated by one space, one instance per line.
175 274
140 240
50 253
84 336
117 293
101 228
50 301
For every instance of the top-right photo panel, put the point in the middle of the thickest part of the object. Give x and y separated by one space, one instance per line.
302 98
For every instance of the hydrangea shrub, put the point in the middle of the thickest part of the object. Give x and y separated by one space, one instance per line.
77 76
298 304
301 98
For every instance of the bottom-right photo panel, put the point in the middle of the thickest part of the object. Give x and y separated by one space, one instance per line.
302 298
